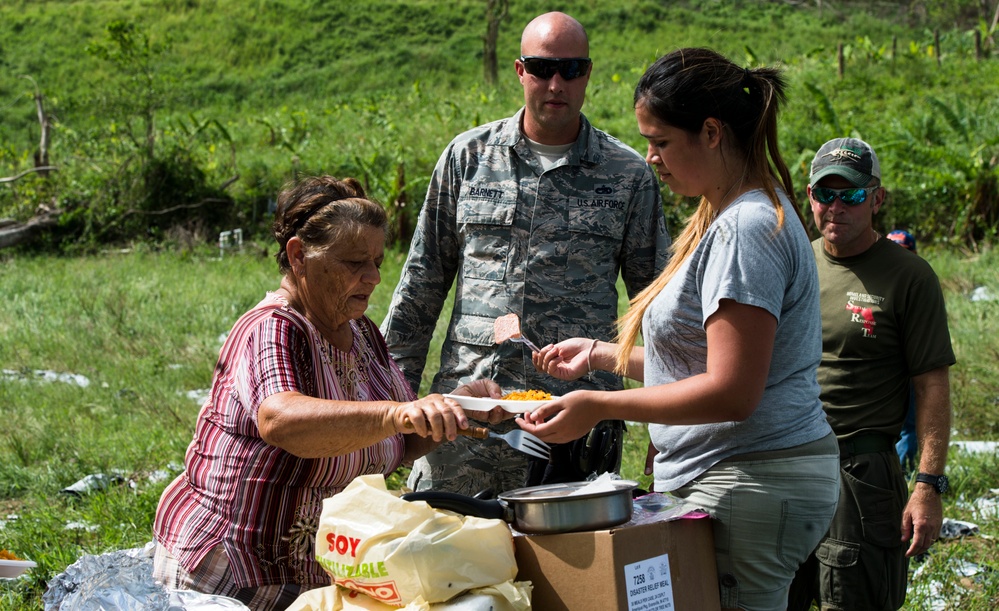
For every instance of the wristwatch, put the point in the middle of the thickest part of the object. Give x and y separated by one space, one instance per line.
940 483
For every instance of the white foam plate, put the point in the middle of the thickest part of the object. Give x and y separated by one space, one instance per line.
14 568
484 404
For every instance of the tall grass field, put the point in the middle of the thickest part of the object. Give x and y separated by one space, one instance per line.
170 115
104 359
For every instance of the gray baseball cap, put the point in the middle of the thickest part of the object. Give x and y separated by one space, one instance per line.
850 158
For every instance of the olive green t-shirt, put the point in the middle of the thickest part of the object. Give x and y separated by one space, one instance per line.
883 321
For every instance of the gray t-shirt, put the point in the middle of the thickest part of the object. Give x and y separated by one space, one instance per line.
743 257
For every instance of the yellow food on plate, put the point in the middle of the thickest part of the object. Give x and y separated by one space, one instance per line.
5 555
527 395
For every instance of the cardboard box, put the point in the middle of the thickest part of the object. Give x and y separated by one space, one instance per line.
623 568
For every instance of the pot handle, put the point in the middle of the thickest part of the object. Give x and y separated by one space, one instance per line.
459 503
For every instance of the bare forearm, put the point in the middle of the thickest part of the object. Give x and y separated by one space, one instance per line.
603 355
933 419
701 399
696 400
313 428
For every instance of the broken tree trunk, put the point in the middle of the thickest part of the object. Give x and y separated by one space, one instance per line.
13 233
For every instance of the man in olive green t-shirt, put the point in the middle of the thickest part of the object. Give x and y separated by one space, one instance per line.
883 322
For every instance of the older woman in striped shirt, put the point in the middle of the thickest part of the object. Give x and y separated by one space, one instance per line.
304 399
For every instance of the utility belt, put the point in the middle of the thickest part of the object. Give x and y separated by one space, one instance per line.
866 443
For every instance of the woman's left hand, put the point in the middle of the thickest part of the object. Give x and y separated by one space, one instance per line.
562 420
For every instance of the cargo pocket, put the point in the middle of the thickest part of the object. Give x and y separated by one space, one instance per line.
837 554
880 513
840 561
471 352
883 528
486 226
474 330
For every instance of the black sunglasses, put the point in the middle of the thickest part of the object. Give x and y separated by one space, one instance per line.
546 67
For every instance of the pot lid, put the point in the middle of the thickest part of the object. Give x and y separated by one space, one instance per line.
569 491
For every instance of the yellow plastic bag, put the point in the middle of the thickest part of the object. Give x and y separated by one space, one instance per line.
371 541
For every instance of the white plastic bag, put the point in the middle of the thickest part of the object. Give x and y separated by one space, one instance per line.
509 596
371 541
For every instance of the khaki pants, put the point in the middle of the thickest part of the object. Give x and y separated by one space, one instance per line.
769 511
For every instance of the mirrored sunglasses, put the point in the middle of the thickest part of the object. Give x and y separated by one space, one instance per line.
546 67
850 197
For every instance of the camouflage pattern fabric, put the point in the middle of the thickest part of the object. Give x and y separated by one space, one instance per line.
546 245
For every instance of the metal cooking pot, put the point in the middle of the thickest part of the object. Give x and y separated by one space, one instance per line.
554 508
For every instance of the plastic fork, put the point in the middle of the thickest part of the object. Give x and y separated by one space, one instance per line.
526 342
508 327
517 439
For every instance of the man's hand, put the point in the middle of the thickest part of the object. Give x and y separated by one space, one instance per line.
489 389
922 519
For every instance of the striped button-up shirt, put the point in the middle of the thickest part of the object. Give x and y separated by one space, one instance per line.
261 503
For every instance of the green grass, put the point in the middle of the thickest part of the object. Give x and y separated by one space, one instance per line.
281 87
144 328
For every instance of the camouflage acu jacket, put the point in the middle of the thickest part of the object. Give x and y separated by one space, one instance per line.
546 245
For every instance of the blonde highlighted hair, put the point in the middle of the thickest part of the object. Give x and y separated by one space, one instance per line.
683 89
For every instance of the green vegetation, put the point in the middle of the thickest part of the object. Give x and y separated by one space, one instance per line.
174 119
144 328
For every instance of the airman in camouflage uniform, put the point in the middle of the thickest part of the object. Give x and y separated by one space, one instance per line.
543 238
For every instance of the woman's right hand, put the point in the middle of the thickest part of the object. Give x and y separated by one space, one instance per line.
565 360
432 416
